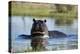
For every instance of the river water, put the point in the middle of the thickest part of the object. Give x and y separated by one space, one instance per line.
23 26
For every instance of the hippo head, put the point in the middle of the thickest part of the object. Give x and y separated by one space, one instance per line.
39 27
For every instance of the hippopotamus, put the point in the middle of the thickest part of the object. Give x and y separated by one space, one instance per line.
39 34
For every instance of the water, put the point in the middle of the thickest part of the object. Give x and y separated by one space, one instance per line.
19 27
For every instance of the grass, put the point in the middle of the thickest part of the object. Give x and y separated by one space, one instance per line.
21 9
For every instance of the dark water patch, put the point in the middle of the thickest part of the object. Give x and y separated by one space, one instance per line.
24 36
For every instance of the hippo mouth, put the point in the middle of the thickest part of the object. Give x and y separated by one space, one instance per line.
38 32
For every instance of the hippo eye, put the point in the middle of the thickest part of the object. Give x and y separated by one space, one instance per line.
41 22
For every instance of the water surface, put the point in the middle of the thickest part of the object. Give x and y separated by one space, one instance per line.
23 26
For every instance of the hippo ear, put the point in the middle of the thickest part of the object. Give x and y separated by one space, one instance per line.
34 20
44 20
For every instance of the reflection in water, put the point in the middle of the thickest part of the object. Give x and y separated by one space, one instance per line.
63 21
21 45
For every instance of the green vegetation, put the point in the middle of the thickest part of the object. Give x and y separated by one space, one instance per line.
43 9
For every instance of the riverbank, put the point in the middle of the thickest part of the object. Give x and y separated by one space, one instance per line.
43 10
